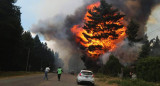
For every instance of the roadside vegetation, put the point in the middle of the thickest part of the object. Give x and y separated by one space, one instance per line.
146 68
105 80
130 82
146 71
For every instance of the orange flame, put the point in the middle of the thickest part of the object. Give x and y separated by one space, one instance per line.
108 44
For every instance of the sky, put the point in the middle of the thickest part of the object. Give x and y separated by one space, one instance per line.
153 24
34 11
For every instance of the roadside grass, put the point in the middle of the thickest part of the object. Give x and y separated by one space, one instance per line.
100 75
104 80
16 73
130 82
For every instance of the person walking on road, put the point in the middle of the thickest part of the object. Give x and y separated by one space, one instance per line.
59 72
46 73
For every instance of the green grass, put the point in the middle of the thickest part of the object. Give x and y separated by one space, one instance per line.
129 82
16 73
100 75
103 79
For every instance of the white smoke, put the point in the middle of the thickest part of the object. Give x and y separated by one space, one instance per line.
48 8
105 57
54 31
153 23
126 53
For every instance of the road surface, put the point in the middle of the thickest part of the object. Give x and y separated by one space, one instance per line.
37 80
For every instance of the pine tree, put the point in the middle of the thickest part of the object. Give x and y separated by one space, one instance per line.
17 47
145 49
41 56
11 31
27 40
156 47
102 24
37 55
112 66
132 30
27 50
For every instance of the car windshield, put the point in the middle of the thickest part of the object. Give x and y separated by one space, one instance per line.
87 73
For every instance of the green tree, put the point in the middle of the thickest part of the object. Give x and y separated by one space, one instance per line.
41 56
27 50
155 47
11 31
17 46
35 60
145 49
132 30
27 40
48 57
148 69
112 67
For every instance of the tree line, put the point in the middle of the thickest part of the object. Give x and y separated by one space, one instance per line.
146 67
19 51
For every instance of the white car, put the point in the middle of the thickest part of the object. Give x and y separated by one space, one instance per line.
85 76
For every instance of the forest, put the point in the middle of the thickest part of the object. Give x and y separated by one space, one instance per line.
20 51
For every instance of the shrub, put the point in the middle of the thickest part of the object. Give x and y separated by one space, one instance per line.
112 67
126 72
148 69
129 82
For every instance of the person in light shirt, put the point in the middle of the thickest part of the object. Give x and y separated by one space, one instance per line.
46 73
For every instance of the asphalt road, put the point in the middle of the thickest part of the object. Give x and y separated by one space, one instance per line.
37 80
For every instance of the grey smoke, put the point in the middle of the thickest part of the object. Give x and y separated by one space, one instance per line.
58 31
126 53
75 63
139 10
58 61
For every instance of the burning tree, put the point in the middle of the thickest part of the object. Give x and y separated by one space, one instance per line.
102 29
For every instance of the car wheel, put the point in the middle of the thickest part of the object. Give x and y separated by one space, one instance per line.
91 84
78 82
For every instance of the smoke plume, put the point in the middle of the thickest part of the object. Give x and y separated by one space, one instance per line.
139 10
126 53
57 31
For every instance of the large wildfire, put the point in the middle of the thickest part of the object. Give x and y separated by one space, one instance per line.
95 42
60 30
